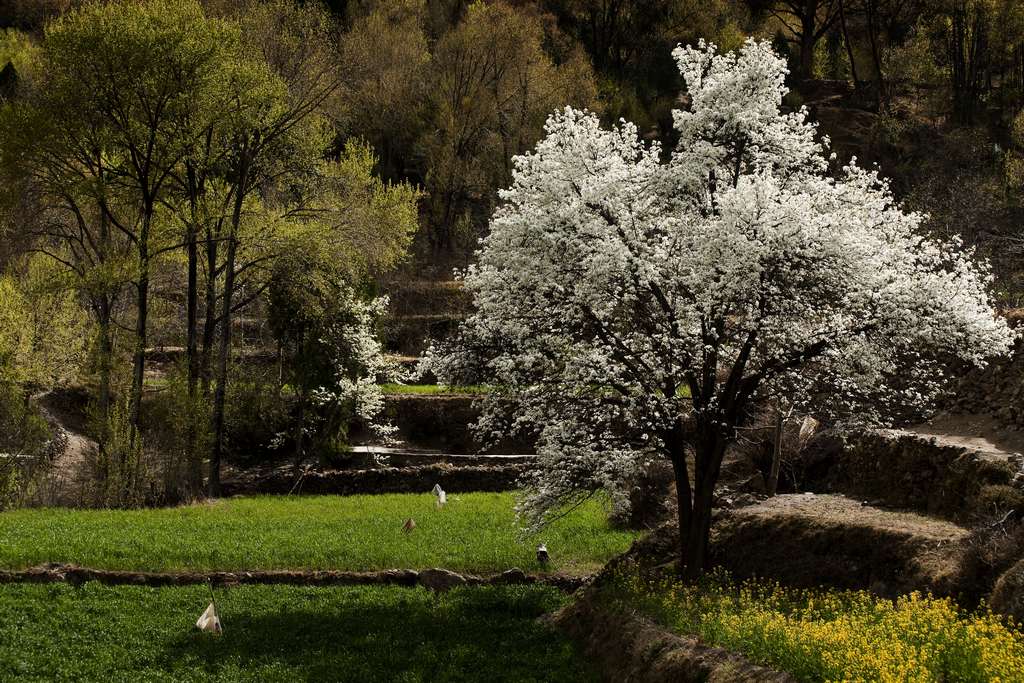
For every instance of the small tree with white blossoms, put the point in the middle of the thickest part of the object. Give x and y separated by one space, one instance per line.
330 355
629 308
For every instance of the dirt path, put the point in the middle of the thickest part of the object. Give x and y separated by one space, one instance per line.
67 480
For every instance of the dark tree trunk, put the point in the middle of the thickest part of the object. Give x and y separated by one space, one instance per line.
192 360
104 308
699 530
696 502
849 45
684 495
968 51
300 418
220 387
141 326
875 53
807 39
105 361
224 348
772 484
210 316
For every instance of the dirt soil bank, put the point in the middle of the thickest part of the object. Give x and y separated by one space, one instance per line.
808 540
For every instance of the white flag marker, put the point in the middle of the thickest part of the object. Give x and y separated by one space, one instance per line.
209 621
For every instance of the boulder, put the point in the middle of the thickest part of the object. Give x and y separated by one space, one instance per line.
512 576
441 579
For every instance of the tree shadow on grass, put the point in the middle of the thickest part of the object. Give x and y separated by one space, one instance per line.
475 634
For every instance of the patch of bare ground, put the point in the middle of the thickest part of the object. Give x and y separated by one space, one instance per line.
65 481
979 433
627 647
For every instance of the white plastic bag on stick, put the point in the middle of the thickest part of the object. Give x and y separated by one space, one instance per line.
209 621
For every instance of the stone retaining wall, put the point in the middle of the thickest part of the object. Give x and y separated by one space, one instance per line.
453 479
434 579
909 471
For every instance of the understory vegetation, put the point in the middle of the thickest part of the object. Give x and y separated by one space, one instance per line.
831 635
473 532
433 389
282 633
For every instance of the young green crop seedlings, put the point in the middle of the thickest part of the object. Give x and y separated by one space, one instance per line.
631 307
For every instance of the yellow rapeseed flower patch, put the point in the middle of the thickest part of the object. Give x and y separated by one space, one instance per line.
842 636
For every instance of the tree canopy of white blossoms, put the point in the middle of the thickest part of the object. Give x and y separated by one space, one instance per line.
631 305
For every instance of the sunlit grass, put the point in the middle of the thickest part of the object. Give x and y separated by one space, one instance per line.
474 532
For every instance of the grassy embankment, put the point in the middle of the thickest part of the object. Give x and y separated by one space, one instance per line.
475 532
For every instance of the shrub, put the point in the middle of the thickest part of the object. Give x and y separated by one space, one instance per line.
178 435
24 441
256 413
116 468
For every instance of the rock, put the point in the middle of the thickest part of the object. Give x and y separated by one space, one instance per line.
441 579
1007 597
744 499
401 577
512 576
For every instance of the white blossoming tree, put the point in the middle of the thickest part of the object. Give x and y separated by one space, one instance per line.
630 307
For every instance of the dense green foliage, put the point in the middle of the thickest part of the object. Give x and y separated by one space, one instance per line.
282 633
829 635
474 532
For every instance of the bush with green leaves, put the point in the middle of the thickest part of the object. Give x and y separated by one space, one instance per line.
24 441
332 360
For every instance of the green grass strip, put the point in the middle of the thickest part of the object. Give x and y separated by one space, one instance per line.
282 633
475 532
